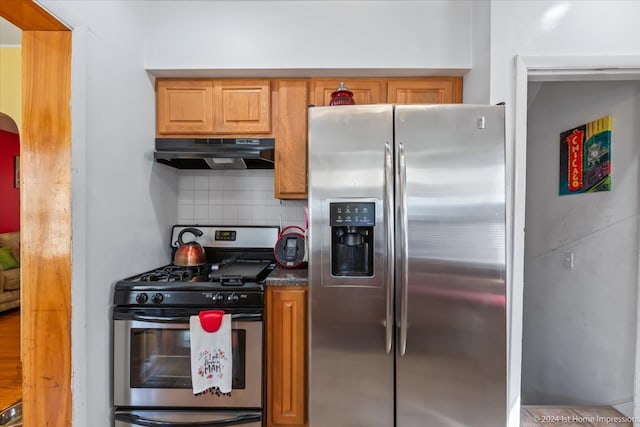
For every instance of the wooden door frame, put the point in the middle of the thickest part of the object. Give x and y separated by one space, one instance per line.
45 214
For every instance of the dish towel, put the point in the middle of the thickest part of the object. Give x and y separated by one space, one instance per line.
211 361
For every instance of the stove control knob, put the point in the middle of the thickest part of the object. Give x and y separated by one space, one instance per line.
157 298
218 298
141 298
233 298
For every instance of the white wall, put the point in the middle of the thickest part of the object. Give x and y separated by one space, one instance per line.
579 324
558 27
123 203
372 35
126 204
562 28
476 81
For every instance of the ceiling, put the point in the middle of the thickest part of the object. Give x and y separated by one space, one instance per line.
10 35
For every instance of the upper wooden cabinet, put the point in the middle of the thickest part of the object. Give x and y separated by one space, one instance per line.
242 106
277 108
184 107
425 91
290 101
188 107
365 91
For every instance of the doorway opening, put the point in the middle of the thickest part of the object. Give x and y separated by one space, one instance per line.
574 248
580 257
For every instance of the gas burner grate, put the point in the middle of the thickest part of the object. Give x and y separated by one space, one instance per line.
171 273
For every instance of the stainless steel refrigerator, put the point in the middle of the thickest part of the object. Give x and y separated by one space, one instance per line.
407 266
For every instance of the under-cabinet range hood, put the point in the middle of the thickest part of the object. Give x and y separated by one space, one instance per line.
215 153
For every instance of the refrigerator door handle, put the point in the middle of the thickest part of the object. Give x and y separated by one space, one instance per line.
404 255
390 268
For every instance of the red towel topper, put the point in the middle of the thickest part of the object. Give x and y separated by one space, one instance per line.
210 320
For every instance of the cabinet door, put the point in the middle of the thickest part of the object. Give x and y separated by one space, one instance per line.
184 107
365 91
242 106
447 90
286 358
290 111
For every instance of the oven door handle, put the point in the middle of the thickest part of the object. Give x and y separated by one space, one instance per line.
183 319
137 420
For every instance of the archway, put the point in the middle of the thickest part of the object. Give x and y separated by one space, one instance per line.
9 175
11 367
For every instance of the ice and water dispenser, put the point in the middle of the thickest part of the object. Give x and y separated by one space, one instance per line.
352 238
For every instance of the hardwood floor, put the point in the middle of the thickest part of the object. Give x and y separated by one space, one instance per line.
10 366
570 416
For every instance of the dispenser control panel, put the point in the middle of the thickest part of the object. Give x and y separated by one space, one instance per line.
354 214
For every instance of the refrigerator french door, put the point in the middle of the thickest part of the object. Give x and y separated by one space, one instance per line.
407 266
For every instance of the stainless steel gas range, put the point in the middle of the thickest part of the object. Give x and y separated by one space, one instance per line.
151 345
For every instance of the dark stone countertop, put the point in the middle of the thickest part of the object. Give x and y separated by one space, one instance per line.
287 277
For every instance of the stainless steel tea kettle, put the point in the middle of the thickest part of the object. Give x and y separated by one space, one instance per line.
189 254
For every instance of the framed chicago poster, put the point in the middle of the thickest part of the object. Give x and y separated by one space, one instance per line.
585 158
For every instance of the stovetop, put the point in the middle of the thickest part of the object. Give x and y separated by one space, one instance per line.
234 273
233 276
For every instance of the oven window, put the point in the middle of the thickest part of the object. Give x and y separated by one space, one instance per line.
160 358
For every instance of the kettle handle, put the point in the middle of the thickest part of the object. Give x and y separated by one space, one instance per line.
196 232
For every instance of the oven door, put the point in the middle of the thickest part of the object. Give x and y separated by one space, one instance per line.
152 360
186 419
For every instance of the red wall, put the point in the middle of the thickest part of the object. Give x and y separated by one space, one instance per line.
9 196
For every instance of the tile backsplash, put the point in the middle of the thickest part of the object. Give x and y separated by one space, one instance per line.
234 197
